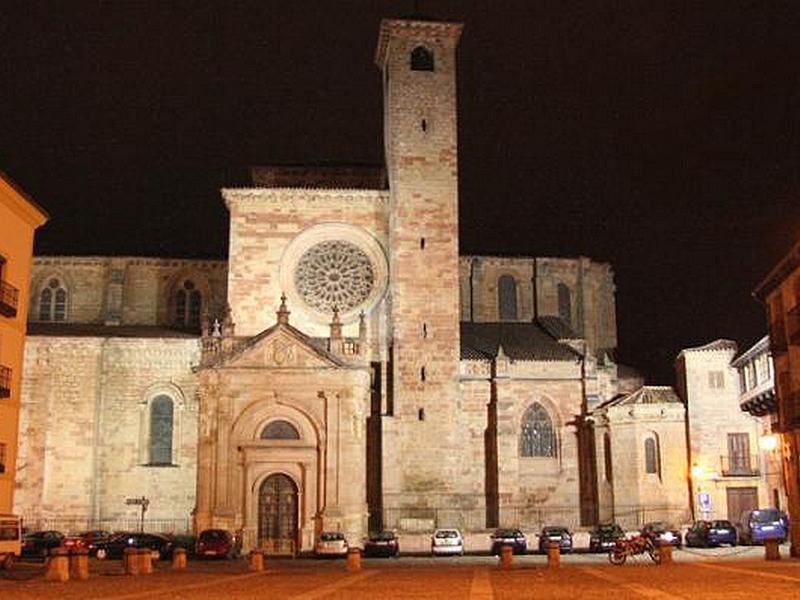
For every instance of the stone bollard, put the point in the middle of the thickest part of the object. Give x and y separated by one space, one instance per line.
145 556
353 559
772 549
256 560
506 556
179 559
79 564
57 568
130 561
665 550
553 555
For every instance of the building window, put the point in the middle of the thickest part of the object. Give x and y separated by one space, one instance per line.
2 458
607 457
564 304
716 379
188 301
161 425
651 456
538 436
53 301
507 298
280 430
421 59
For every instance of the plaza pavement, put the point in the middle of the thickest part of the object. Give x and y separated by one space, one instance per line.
732 573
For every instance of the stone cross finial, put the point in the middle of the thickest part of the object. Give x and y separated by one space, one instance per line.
362 326
216 331
283 311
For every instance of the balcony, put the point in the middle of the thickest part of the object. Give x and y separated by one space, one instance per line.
5 382
739 465
9 296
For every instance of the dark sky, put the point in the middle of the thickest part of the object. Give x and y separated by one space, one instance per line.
660 138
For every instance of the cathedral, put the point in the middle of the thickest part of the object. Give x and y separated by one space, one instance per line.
345 368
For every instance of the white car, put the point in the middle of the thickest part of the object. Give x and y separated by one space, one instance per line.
331 543
447 541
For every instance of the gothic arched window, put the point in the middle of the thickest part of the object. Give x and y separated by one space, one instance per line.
651 457
421 59
279 430
161 425
564 304
538 437
507 298
53 301
188 302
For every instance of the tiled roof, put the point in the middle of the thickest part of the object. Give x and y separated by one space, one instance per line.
714 346
647 394
520 341
98 330
557 327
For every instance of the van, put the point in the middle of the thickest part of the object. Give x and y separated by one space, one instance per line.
10 540
758 525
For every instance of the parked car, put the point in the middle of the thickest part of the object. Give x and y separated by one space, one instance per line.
382 543
447 541
87 540
755 526
711 533
331 544
658 531
603 537
509 537
558 534
115 546
217 543
10 540
39 543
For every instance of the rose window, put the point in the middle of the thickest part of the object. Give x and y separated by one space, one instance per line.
334 274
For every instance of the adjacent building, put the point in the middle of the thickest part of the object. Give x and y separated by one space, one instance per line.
780 293
19 219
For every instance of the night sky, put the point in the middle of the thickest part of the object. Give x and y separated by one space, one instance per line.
665 141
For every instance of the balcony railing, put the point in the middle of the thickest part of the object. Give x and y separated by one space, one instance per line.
793 325
739 465
9 297
5 382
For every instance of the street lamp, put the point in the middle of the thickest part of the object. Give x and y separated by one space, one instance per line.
768 442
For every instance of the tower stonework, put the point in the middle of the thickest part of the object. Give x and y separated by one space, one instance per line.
418 61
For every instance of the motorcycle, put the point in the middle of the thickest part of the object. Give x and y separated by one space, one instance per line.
623 548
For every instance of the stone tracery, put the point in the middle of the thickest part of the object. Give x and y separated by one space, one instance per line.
334 274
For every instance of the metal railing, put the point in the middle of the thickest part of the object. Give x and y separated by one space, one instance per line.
78 524
5 381
739 465
9 297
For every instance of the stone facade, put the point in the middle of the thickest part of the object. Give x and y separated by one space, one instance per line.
345 369
727 466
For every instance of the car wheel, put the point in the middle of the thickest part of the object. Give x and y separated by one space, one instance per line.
101 554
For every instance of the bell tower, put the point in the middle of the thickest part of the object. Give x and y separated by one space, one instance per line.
418 62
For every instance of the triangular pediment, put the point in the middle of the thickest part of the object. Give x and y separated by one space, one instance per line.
281 347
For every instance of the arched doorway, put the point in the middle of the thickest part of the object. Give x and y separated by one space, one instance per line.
277 514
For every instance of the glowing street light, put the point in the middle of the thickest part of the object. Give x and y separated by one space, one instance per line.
697 471
768 442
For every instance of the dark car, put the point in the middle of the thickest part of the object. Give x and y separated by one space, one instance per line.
39 543
383 543
87 540
217 543
659 532
509 537
603 537
114 547
711 533
759 525
557 534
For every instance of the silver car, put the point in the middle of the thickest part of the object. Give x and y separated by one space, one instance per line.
332 544
447 541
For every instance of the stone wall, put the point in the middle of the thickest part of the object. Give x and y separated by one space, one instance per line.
127 290
84 424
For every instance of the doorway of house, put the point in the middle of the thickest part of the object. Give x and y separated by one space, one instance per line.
740 501
277 515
